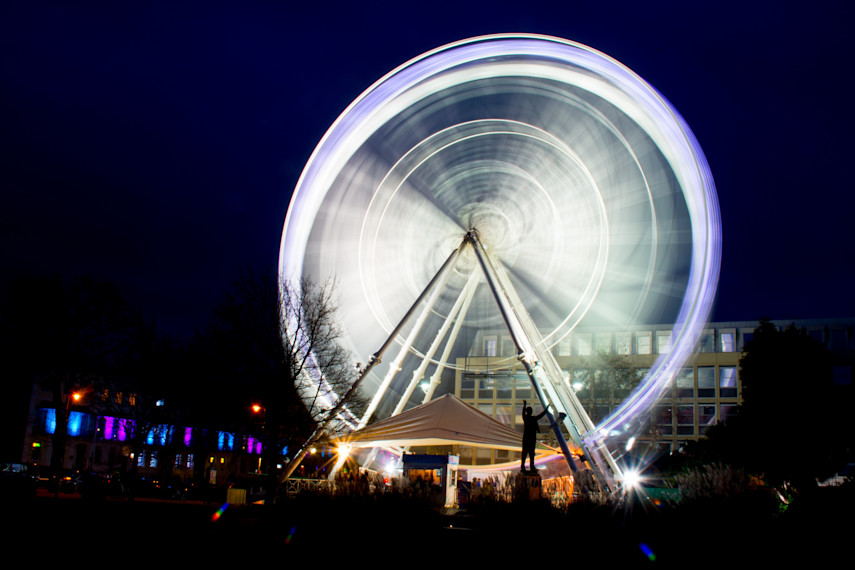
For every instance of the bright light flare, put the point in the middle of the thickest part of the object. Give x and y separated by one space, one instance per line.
342 452
631 479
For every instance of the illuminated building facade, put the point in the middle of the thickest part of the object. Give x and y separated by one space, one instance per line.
604 365
103 443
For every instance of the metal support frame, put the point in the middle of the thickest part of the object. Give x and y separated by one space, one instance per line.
544 373
437 283
452 317
372 362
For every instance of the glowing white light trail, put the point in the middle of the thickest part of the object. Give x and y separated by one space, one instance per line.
581 179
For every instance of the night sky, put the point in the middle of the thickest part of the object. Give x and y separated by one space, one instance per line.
157 145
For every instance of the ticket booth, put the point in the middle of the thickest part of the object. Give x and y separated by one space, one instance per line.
438 473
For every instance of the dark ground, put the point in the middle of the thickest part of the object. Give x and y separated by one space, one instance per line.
391 530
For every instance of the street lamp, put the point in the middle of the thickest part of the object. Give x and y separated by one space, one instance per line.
75 397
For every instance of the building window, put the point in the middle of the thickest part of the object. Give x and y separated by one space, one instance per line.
642 342
159 435
663 420
507 346
685 420
483 456
727 412
623 343
253 445
663 342
600 412
583 344
467 388
582 380
727 341
523 389
727 381
75 424
503 389
116 428
622 383
706 418
602 383
707 342
685 382
465 455
225 441
147 458
563 348
604 344
490 346
485 389
505 414
706 381
49 420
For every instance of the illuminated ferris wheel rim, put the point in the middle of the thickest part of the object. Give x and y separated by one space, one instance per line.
581 67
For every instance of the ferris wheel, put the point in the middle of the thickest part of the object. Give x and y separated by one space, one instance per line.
517 182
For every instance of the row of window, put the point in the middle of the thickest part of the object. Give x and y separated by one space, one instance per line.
722 340
669 420
700 381
681 419
107 428
623 343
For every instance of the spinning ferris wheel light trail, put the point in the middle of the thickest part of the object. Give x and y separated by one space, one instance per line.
592 201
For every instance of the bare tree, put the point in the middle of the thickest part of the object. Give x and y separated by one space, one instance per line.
321 369
278 346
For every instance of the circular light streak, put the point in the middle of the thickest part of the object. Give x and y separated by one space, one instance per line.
581 178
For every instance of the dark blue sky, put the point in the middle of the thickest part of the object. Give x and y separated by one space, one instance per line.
156 145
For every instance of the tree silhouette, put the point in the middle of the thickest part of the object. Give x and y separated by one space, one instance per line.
268 344
792 424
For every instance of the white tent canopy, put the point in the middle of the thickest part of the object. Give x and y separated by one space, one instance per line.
444 421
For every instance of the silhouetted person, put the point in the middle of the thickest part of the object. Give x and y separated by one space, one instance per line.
530 431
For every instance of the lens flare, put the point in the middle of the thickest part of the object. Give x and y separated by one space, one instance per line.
216 516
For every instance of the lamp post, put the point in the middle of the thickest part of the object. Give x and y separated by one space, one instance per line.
75 397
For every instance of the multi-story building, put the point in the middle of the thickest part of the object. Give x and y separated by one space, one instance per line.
604 365
103 443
